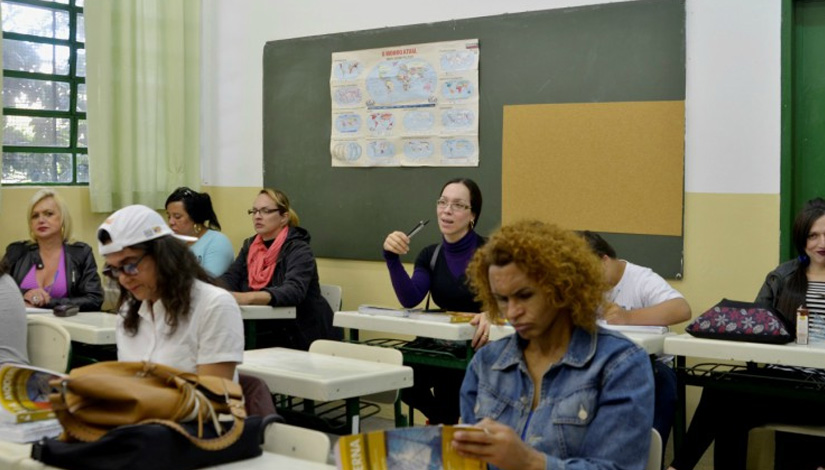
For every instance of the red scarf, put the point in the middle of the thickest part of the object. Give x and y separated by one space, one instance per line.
260 262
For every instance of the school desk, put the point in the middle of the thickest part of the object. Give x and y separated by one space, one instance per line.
422 327
252 313
98 328
719 375
321 377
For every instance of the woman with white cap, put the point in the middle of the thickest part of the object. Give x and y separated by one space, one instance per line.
169 312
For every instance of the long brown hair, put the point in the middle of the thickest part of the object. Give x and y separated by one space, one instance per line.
177 268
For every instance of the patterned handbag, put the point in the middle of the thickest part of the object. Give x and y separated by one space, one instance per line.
741 321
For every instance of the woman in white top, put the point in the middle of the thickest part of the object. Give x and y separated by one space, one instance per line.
169 312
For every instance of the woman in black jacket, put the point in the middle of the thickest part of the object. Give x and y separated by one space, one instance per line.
50 269
725 416
276 267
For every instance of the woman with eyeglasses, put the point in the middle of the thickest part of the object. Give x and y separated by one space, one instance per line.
276 267
170 313
191 214
50 268
440 271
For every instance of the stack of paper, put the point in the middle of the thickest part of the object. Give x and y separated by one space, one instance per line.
29 432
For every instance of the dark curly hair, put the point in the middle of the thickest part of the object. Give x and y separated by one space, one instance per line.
176 271
558 261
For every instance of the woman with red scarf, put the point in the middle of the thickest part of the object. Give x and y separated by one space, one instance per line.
276 267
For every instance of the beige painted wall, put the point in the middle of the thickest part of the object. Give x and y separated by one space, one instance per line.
731 242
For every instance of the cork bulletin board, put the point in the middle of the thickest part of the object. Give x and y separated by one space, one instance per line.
606 167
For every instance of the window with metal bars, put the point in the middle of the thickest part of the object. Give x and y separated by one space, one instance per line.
44 93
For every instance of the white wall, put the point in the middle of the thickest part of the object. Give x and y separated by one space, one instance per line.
732 109
733 96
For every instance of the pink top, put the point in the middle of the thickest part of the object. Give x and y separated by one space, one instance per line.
58 288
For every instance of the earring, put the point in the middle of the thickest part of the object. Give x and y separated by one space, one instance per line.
472 223
198 229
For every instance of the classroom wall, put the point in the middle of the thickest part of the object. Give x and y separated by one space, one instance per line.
731 141
732 137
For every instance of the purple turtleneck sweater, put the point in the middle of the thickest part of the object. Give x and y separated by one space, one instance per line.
447 282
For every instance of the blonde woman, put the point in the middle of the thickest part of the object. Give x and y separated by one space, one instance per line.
50 268
276 267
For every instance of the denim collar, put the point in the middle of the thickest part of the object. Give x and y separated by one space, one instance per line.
580 351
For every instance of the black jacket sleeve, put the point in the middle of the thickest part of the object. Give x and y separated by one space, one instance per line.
85 289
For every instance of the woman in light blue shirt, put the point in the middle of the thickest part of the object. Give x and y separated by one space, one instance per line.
561 392
191 214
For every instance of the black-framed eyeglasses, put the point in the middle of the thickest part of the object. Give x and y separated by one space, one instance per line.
455 206
129 269
263 210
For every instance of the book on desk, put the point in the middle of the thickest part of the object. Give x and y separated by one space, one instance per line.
418 314
651 329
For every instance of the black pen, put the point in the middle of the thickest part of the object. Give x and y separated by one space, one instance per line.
417 228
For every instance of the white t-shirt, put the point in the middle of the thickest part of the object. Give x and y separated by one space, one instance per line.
211 333
640 287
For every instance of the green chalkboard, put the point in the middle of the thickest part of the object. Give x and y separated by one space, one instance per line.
633 51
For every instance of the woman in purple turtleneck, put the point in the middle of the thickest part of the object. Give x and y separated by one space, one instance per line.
440 270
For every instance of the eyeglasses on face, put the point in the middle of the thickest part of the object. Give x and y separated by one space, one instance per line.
263 211
129 269
455 206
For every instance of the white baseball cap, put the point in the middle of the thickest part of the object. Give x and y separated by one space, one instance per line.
132 225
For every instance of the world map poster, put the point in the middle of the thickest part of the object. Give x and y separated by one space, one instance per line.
413 105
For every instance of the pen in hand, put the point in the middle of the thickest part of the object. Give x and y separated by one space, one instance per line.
417 228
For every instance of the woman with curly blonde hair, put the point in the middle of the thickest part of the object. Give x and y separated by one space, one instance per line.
560 391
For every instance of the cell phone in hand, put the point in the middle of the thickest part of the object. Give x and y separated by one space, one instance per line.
66 310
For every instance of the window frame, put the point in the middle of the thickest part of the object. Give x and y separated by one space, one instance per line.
72 114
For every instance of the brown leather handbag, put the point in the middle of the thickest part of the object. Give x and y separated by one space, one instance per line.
100 397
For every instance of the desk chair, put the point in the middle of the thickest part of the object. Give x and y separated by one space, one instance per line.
301 443
49 345
332 294
366 353
654 457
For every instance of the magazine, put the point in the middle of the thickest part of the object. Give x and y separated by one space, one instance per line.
24 393
403 449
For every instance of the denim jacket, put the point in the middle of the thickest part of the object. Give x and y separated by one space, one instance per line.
596 405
